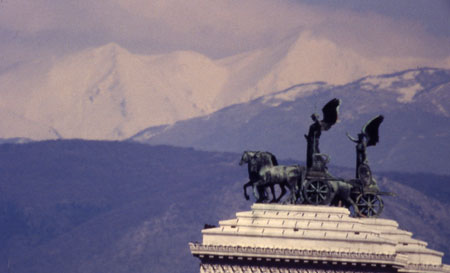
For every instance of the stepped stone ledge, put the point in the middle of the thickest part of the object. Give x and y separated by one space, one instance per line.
301 238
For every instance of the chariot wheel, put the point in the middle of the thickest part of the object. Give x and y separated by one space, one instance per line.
369 205
317 192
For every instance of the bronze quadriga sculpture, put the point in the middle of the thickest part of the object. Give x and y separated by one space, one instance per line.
313 184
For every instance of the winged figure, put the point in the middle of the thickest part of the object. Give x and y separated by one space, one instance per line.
330 116
369 136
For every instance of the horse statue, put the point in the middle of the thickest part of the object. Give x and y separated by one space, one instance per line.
313 184
264 172
288 177
256 160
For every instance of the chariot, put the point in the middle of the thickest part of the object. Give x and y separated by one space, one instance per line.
313 184
361 194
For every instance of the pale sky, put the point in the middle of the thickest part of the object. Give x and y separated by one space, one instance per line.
220 28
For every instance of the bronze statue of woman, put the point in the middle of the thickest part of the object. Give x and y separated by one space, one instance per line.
330 116
368 137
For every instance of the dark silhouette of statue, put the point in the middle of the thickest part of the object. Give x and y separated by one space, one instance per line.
314 185
369 136
330 116
257 160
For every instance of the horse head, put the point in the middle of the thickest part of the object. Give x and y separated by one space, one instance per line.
266 159
257 160
246 157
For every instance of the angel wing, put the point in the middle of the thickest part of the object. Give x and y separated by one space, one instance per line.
370 130
330 113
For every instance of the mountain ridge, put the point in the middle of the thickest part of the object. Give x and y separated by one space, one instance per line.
414 129
111 93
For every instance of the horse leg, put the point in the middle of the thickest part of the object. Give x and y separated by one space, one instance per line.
246 185
285 186
298 195
256 187
272 189
262 190
294 196
292 185
283 191
299 185
355 207
345 194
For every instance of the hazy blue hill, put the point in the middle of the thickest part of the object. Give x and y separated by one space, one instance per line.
413 132
66 202
93 206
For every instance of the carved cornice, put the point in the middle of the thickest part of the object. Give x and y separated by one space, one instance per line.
221 268
425 267
301 254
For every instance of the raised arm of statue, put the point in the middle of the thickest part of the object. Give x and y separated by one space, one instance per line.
351 138
368 137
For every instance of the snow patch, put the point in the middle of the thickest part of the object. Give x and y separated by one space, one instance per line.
14 125
404 84
292 94
440 108
408 93
374 83
411 75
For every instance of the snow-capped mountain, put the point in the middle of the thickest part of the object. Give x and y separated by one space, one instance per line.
13 126
304 59
110 93
415 135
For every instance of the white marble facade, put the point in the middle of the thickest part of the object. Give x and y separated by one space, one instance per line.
302 238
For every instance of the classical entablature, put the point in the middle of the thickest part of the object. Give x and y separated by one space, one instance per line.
300 238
